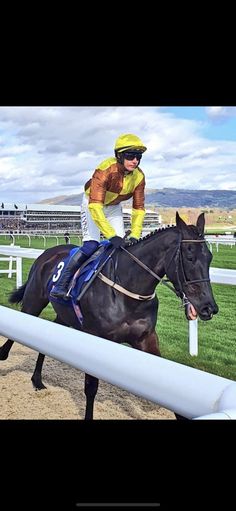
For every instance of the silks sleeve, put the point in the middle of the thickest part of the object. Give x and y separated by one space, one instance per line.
96 201
98 216
138 211
137 222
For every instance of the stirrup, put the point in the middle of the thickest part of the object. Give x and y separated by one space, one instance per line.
68 294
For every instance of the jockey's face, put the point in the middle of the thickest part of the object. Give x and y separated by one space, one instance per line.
131 160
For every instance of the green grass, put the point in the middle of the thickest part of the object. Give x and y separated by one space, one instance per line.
219 231
37 241
217 338
225 257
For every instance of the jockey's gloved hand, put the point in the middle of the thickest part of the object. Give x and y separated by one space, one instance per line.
129 241
117 241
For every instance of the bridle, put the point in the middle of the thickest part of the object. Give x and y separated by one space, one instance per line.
179 292
179 264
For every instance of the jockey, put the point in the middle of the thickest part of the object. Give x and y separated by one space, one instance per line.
116 179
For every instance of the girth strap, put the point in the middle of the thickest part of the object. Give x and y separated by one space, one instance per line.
123 290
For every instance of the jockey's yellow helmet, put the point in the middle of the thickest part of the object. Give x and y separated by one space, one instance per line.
129 142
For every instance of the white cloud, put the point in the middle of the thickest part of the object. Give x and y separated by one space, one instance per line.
220 113
46 152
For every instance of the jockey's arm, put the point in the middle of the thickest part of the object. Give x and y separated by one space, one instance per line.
138 210
97 214
96 203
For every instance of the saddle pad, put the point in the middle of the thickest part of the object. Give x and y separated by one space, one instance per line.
84 274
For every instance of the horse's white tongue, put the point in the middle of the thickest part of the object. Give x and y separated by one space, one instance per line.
192 313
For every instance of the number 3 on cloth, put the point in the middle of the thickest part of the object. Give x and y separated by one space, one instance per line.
60 267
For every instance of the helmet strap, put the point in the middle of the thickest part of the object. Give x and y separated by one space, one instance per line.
120 157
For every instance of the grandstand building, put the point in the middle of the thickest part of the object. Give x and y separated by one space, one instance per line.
152 220
41 218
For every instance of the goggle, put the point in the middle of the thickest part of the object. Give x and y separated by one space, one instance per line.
131 155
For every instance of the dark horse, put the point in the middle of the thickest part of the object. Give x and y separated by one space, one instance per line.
180 253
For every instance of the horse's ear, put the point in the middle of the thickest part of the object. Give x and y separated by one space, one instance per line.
201 224
179 222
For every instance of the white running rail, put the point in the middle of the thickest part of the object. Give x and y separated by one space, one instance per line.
182 389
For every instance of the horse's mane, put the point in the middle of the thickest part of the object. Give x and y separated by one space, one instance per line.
157 232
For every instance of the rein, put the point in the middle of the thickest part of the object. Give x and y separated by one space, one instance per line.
145 267
179 293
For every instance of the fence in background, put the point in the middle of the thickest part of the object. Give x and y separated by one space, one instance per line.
220 240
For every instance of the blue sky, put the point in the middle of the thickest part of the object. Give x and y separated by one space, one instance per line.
222 125
51 151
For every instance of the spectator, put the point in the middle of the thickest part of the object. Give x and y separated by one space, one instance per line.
67 237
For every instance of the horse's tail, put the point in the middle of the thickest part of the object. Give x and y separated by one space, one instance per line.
17 295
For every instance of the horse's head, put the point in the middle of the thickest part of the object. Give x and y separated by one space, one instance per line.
187 266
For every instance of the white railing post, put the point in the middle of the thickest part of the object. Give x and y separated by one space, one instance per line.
193 337
18 272
10 267
10 264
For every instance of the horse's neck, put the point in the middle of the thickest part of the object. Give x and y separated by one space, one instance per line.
152 252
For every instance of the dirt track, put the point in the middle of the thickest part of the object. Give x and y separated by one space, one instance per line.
64 396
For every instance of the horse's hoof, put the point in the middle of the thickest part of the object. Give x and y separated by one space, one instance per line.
180 417
41 387
3 355
38 385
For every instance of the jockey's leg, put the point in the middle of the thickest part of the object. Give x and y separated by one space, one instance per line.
114 216
60 290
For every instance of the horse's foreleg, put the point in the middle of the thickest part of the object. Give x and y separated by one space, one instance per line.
37 374
90 390
5 348
149 344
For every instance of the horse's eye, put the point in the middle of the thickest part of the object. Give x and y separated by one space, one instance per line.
189 254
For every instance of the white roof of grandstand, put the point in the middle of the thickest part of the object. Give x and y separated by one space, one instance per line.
129 210
39 207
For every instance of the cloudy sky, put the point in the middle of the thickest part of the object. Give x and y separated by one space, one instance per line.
51 151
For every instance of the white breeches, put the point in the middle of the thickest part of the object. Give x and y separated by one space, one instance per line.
113 214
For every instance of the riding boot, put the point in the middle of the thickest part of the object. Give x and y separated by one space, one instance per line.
61 288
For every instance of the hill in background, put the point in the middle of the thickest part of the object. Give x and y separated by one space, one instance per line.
167 197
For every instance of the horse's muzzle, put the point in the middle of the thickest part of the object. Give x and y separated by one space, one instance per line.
204 313
208 312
